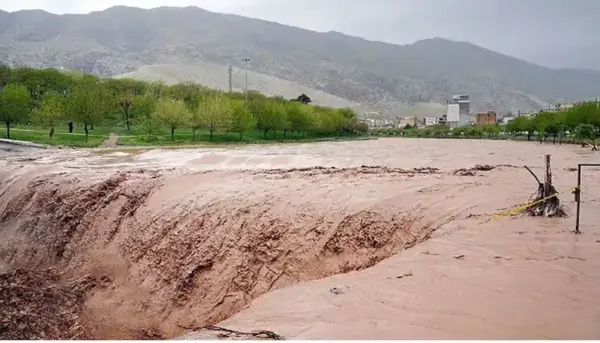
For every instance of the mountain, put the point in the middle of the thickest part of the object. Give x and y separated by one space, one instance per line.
386 76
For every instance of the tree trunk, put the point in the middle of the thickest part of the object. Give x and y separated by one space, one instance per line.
85 128
274 133
211 134
7 130
285 133
546 203
265 132
528 136
553 139
241 135
194 134
172 133
127 121
92 126
548 178
51 132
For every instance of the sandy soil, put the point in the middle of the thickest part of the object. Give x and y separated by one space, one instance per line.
349 240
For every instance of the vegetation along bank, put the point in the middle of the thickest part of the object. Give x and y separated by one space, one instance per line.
75 109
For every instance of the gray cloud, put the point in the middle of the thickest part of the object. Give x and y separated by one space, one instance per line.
558 33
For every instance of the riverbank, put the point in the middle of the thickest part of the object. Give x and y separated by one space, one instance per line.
118 137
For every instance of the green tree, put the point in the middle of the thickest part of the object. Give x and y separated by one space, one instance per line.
172 113
242 119
126 103
364 128
526 125
89 102
145 105
491 130
349 119
327 119
6 76
51 109
14 105
270 117
299 116
587 131
157 89
215 113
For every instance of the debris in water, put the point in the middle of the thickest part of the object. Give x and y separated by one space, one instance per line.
38 305
459 257
404 275
545 201
337 291
225 333
503 258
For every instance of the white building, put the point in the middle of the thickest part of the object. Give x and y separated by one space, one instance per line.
505 120
428 121
453 114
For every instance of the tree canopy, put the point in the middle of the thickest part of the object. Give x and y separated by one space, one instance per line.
49 96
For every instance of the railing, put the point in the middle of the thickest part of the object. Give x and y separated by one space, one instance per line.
578 192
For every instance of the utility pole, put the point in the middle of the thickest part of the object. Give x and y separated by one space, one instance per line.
246 60
230 70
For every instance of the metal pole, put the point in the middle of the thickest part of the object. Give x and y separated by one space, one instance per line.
578 198
230 70
246 60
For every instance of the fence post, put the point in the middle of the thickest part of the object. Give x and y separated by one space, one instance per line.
548 179
578 198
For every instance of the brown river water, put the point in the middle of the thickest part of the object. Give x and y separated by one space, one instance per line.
381 239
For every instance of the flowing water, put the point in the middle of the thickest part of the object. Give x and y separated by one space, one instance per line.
382 239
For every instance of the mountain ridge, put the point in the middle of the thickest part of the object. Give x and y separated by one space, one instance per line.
123 39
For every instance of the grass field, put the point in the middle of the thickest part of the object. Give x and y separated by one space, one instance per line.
136 137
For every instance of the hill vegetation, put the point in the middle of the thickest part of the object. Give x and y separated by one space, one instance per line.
215 76
147 111
378 75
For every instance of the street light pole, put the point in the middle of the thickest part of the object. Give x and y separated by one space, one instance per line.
246 60
230 72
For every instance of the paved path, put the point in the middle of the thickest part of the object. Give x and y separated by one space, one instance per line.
111 142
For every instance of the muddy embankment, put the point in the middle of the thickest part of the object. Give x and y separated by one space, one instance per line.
143 254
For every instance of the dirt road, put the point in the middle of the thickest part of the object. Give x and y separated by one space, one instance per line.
364 240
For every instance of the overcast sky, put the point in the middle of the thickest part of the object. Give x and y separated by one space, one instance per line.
557 33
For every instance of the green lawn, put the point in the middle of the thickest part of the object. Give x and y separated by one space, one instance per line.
61 137
137 137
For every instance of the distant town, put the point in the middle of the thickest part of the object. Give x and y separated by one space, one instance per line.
458 113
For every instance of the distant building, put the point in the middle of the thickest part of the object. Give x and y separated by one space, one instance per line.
428 121
560 107
452 114
464 104
403 121
488 118
507 119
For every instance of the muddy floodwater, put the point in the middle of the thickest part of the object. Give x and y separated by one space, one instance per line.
381 239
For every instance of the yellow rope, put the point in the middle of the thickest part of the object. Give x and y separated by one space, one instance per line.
522 208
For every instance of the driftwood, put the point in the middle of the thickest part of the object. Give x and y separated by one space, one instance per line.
545 200
228 333
593 146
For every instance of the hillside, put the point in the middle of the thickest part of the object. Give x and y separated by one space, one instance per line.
122 39
215 76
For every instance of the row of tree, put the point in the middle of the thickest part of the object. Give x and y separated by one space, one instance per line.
582 121
49 96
